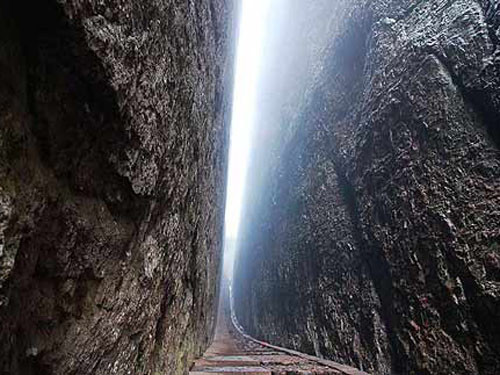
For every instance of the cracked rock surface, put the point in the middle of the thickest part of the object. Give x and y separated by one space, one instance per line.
372 232
113 144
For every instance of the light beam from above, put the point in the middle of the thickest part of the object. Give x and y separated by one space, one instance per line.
248 63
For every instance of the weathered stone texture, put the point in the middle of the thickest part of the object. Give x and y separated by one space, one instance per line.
373 236
113 144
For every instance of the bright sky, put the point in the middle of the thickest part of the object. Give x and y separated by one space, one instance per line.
248 58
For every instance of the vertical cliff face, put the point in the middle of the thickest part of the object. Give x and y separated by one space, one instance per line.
113 144
372 237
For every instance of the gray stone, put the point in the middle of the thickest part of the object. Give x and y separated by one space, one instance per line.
371 227
113 142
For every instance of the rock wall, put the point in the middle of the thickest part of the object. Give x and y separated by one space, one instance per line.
371 232
113 143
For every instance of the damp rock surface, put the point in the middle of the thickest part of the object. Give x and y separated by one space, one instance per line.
113 144
371 231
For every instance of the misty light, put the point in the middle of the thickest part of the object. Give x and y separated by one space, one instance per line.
248 60
244 98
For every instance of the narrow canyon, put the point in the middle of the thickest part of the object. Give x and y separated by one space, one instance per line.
369 235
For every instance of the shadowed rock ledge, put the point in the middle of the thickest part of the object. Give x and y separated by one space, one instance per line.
371 231
113 143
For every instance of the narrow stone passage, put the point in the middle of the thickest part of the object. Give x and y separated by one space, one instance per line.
234 352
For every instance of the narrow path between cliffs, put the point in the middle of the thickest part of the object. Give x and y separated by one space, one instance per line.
234 352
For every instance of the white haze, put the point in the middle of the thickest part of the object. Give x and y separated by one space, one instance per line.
248 62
